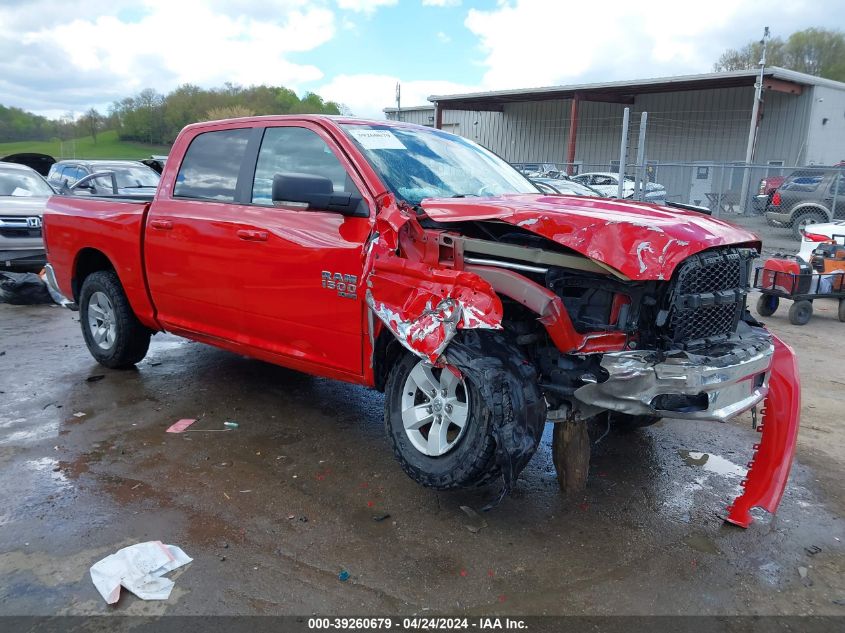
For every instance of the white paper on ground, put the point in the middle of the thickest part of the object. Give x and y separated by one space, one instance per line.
140 568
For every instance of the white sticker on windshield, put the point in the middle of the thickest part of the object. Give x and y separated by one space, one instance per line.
375 139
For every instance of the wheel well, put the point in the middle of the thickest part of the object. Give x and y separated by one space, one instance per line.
89 260
809 209
386 352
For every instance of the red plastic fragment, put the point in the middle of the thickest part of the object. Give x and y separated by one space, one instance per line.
772 462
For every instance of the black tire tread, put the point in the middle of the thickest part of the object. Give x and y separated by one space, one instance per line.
798 215
797 314
133 340
764 309
502 367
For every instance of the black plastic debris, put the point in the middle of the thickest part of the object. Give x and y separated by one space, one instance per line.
23 289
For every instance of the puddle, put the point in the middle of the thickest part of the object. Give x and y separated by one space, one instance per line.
713 464
164 344
701 543
51 467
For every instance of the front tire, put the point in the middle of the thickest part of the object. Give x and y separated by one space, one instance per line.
496 418
114 335
767 305
800 312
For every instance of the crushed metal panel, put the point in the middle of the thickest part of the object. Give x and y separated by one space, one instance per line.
422 305
533 255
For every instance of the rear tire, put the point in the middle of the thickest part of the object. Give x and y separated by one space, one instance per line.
504 405
804 219
114 335
767 305
800 312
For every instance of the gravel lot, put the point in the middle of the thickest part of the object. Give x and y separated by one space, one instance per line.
274 510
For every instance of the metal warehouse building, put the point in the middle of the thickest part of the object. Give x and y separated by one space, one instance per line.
697 128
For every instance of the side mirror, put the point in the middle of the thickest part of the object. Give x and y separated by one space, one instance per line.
312 192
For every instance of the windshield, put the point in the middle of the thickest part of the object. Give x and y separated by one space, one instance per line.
128 176
427 163
23 184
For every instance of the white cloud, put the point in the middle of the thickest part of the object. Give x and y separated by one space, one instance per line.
443 37
441 3
76 63
364 6
367 95
528 43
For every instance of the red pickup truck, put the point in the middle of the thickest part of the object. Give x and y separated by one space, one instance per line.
416 262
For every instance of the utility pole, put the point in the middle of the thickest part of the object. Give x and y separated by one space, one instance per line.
623 154
753 129
398 101
639 178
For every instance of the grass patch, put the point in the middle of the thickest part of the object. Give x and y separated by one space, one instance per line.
107 146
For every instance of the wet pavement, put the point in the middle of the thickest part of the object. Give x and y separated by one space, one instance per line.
274 510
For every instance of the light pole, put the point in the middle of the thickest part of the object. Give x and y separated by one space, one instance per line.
753 128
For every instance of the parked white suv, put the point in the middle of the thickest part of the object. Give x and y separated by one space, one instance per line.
607 183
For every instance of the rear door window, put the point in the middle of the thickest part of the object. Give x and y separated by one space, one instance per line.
211 165
73 173
803 182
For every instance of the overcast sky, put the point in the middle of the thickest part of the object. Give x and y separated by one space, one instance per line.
58 56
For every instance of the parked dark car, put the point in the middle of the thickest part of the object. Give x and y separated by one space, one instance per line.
79 177
808 196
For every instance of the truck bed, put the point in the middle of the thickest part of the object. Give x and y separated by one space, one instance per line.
80 229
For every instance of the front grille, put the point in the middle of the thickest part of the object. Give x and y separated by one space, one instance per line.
708 297
16 226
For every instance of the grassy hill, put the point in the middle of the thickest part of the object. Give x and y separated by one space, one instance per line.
107 146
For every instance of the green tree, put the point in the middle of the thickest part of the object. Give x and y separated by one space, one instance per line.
90 122
814 51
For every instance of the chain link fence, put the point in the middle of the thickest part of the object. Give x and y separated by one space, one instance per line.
787 198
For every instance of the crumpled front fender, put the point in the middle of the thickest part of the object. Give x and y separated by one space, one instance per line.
425 314
421 303
769 470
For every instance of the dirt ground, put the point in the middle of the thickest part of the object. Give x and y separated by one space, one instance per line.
273 511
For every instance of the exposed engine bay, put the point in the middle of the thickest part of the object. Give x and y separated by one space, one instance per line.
648 338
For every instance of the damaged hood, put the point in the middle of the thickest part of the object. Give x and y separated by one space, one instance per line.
642 241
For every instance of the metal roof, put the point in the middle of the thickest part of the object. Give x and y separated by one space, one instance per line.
623 91
419 108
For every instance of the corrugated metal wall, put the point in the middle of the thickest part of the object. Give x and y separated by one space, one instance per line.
418 117
701 125
826 127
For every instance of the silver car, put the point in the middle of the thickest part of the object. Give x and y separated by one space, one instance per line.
23 196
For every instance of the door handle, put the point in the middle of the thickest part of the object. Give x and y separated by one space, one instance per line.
164 225
253 236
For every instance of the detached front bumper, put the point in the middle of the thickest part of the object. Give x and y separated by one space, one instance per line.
685 385
718 387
